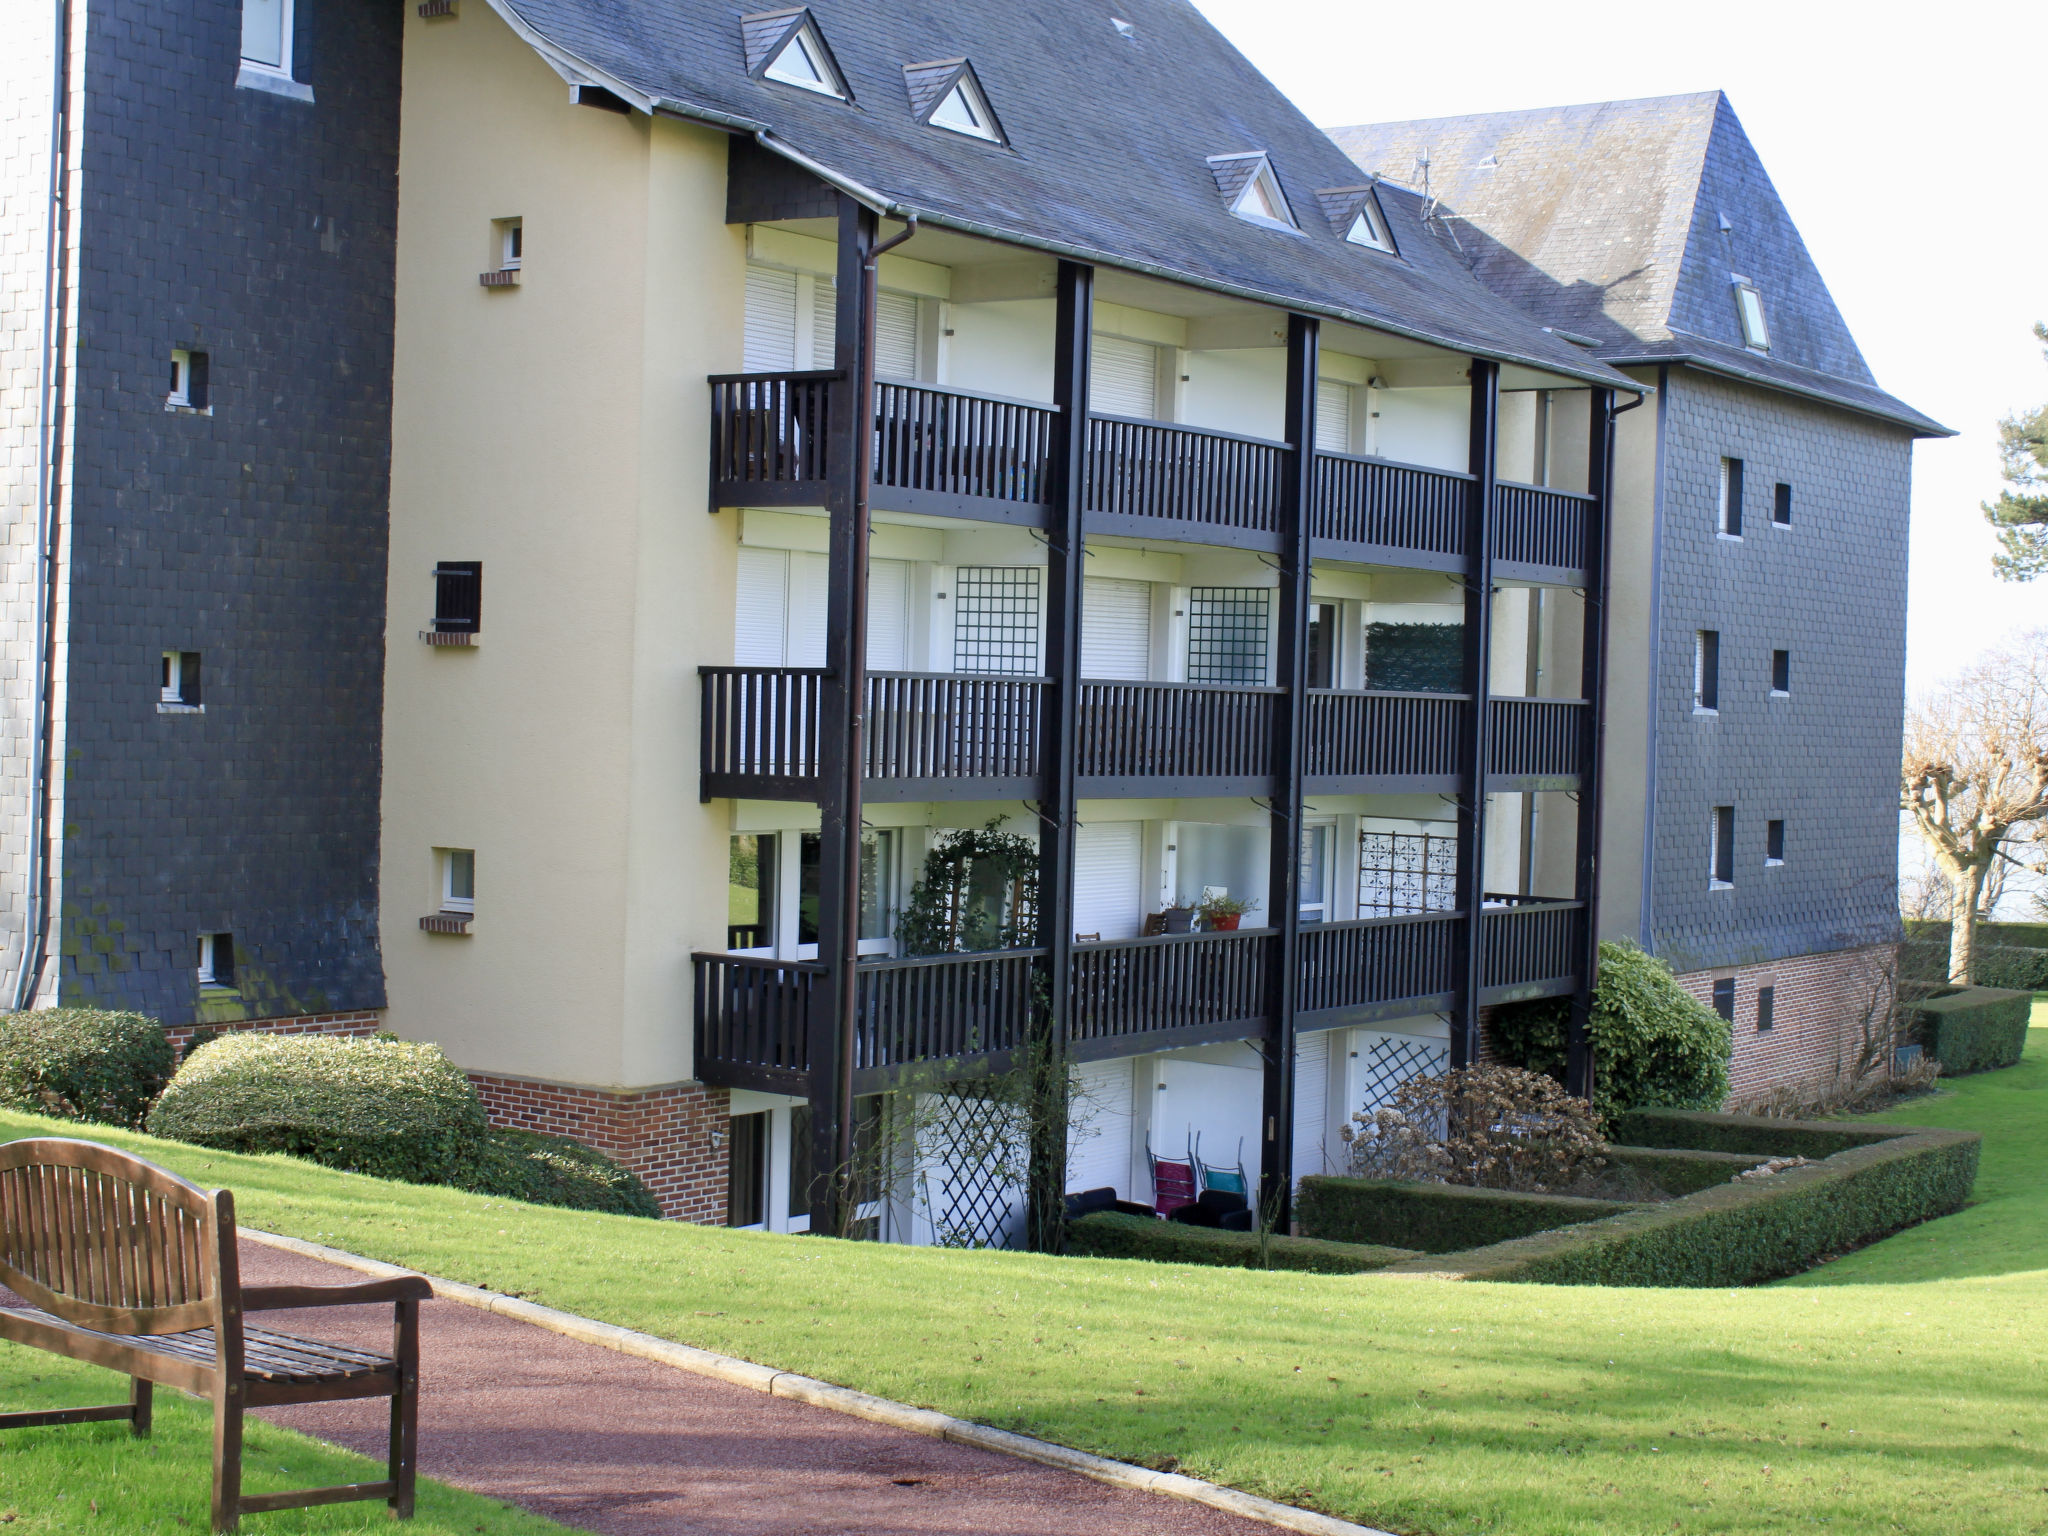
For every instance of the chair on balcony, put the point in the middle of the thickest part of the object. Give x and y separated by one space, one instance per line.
1173 1183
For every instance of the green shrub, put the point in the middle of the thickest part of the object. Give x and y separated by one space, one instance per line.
1750 1135
81 1064
1434 1218
1117 1235
1746 1231
552 1170
1972 1029
380 1106
1654 1044
2009 955
1681 1170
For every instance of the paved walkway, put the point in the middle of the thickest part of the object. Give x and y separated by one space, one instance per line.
626 1447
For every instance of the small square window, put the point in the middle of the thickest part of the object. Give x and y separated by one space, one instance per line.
511 244
1722 874
458 597
1706 671
458 881
217 960
188 389
1724 998
1774 842
1781 506
1731 498
1766 1006
180 680
1781 672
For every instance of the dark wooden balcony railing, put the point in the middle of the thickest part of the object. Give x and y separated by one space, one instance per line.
1529 941
1535 738
1158 470
1384 735
1535 526
1408 959
1175 989
948 444
768 432
928 729
1174 731
1381 504
942 1007
753 1019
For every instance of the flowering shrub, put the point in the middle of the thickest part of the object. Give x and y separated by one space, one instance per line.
1490 1126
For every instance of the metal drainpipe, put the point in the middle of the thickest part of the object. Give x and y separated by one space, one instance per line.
49 437
856 703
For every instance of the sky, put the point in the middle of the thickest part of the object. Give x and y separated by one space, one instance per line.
1905 143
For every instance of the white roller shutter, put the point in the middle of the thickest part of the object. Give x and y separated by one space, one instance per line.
889 615
760 616
1099 1132
895 336
806 646
824 322
1116 629
771 321
1123 378
1311 1111
1108 882
1333 416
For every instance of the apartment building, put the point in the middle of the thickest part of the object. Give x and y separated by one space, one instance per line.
650 488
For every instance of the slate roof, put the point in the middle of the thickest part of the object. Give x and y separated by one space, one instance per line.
1109 139
1605 220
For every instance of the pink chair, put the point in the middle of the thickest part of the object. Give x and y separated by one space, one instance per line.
1173 1183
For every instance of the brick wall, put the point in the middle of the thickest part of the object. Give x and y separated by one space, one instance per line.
352 1024
665 1135
1817 1010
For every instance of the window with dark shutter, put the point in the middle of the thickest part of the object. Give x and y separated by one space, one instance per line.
1731 498
1774 842
1781 671
1781 506
1724 998
1724 846
458 597
1766 1005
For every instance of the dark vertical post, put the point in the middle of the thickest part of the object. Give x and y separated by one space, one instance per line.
849 432
1059 710
1290 725
1479 517
1578 1072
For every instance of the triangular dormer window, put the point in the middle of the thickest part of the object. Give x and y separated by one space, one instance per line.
1355 213
787 47
1251 190
946 94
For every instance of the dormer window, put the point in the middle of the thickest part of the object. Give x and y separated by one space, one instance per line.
1366 231
946 94
1749 309
1251 190
787 47
1355 213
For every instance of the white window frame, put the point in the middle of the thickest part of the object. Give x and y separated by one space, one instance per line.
173 689
181 378
1734 493
983 120
452 904
806 40
282 64
262 74
511 243
1749 314
1264 186
1701 645
1368 230
1779 861
1714 880
208 942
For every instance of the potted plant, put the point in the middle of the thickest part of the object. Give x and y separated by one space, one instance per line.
1221 913
1178 920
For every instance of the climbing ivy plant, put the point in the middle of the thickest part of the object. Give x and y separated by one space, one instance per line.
978 890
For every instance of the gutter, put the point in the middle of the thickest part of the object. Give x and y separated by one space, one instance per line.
1920 426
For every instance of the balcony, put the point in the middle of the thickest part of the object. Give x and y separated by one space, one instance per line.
957 453
1127 997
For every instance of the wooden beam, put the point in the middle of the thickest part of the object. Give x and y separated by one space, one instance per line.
1483 450
1579 1063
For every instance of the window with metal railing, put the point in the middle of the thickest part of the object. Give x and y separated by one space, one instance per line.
1404 872
995 620
1227 634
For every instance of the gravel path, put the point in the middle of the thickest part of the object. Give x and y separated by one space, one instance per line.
626 1447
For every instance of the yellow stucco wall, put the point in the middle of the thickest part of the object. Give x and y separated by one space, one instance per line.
555 431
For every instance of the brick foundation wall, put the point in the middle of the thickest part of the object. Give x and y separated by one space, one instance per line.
665 1135
1817 1014
355 1024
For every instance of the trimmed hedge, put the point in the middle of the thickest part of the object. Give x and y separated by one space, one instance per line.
1435 1218
1748 1231
82 1064
1751 1135
1115 1235
551 1170
2012 955
381 1106
1682 1171
1973 1029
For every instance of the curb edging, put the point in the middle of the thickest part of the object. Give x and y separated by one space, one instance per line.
822 1394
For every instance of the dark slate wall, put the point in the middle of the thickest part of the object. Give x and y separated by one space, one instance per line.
260 230
1832 591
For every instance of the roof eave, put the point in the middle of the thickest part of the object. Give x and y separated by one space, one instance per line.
1905 416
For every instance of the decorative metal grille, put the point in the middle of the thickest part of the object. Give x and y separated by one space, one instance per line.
995 620
1392 1060
971 1152
1227 634
1401 872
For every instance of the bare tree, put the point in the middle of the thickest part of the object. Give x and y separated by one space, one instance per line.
1974 776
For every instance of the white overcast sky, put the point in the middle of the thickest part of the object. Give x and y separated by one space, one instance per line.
1905 142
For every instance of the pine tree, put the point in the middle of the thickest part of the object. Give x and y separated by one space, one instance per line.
2021 512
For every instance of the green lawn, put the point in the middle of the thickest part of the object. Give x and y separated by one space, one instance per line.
99 1478
1898 1390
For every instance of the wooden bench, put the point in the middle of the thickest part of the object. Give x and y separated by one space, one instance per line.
126 1265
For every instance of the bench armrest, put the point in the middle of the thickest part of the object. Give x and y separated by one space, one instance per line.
278 1298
